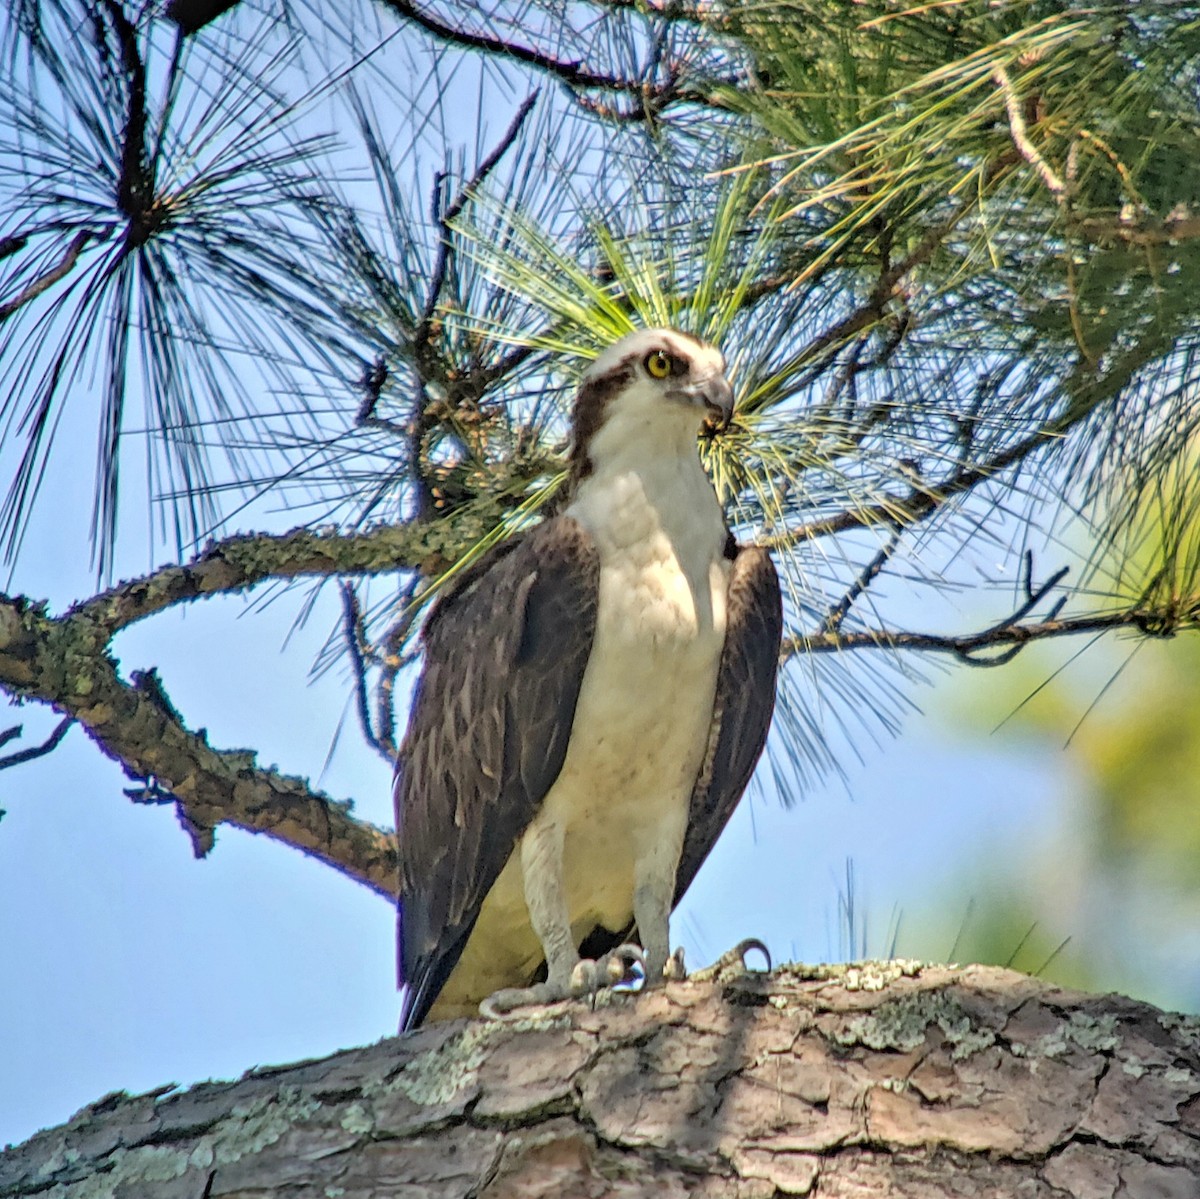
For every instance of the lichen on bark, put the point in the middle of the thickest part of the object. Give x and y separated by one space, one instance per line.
941 1081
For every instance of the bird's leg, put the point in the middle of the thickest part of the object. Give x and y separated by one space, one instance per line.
545 897
651 910
653 893
567 975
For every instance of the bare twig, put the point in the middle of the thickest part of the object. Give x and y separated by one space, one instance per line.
48 278
34 751
972 648
444 217
812 359
360 652
837 614
392 659
372 382
1033 595
1141 232
831 635
427 358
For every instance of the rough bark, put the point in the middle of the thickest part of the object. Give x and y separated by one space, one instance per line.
880 1079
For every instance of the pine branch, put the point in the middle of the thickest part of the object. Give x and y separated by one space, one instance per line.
1141 231
1008 638
650 98
64 663
571 72
243 561
1019 132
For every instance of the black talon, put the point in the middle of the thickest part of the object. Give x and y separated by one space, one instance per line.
748 946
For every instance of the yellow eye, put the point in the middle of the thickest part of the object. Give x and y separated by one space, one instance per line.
658 365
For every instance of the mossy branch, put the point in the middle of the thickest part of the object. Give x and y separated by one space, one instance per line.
238 563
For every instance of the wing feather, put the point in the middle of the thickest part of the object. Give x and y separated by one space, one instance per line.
505 652
743 704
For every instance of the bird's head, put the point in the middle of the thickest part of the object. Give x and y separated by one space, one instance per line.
655 385
656 370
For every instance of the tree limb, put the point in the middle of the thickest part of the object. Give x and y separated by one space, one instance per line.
34 751
858 1080
240 562
64 663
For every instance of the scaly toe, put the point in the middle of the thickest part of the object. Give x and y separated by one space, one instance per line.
502 1003
620 964
749 945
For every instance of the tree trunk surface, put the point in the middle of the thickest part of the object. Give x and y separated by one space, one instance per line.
882 1079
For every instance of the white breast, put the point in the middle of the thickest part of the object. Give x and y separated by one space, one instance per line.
645 707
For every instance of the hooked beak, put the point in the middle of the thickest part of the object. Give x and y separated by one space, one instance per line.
714 395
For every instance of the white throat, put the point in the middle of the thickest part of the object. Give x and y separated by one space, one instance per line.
647 485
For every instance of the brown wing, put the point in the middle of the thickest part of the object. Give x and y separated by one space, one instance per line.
745 699
505 652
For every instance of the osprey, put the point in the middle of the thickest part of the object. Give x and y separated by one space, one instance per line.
595 695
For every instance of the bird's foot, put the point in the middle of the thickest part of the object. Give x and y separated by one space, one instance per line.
587 978
733 961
